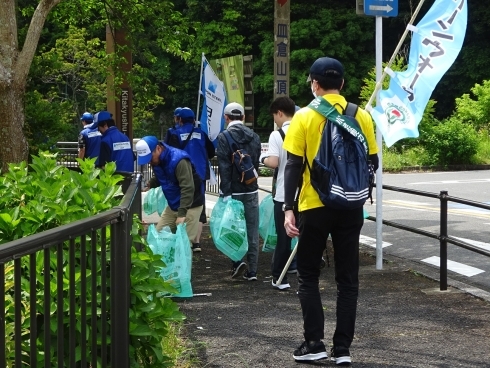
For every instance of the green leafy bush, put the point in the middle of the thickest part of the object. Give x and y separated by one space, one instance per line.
44 195
452 142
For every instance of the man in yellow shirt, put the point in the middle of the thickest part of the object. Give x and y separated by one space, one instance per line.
316 221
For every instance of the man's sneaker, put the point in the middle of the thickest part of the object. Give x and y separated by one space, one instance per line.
341 356
250 276
313 350
235 268
196 247
292 270
282 286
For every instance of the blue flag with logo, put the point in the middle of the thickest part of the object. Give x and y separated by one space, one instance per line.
436 42
213 91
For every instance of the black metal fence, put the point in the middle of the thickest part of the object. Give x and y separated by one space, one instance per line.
65 292
442 236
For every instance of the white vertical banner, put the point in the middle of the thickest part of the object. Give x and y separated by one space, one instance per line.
213 91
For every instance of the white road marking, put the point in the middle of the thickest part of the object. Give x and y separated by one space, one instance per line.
421 206
482 245
452 181
371 242
457 267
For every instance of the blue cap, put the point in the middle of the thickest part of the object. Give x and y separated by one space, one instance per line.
100 117
186 114
87 117
177 111
145 147
324 65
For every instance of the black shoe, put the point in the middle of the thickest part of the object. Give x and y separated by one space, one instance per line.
235 268
196 247
250 276
341 356
313 350
282 286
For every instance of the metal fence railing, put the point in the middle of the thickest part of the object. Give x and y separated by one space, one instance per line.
443 236
65 292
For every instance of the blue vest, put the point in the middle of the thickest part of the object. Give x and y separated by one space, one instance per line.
92 142
195 147
165 173
121 151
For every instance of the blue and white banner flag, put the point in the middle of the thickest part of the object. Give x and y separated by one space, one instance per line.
213 91
436 42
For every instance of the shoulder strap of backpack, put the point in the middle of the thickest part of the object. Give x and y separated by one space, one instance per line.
187 139
326 109
281 132
231 141
351 109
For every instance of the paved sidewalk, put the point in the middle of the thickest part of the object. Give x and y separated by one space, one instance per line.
403 321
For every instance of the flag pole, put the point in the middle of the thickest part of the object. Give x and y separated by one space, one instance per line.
398 47
200 85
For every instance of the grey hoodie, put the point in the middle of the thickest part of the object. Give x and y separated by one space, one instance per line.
229 177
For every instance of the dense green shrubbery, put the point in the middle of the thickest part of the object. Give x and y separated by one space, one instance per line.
43 195
451 142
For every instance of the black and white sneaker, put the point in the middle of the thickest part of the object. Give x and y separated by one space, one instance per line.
250 276
309 351
236 267
196 247
341 356
282 286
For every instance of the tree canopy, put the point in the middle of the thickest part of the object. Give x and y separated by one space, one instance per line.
70 65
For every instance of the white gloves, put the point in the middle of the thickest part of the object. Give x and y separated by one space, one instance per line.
226 198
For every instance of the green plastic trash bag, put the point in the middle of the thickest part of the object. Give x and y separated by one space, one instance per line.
154 201
365 213
229 228
176 252
267 225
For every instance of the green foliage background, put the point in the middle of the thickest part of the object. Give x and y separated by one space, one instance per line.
69 71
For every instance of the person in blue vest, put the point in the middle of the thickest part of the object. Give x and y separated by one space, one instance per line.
179 181
89 139
176 125
114 146
196 143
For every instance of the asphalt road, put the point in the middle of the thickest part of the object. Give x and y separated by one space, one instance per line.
468 223
465 222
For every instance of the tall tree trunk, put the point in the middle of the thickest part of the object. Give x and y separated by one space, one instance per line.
14 67
14 147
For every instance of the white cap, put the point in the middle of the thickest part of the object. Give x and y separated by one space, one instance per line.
234 109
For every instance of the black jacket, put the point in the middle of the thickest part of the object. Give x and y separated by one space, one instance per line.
229 177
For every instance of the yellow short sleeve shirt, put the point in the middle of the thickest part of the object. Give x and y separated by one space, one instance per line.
304 136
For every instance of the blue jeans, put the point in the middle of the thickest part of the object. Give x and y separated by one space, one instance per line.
251 207
345 228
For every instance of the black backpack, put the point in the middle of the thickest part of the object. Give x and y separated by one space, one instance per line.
341 173
242 161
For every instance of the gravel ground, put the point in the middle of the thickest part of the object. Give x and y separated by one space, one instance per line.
402 320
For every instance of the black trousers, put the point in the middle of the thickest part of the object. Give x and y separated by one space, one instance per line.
345 227
283 246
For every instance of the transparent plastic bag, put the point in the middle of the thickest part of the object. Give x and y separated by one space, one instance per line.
267 225
229 228
175 250
154 201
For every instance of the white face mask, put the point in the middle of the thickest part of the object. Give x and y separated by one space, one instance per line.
313 91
